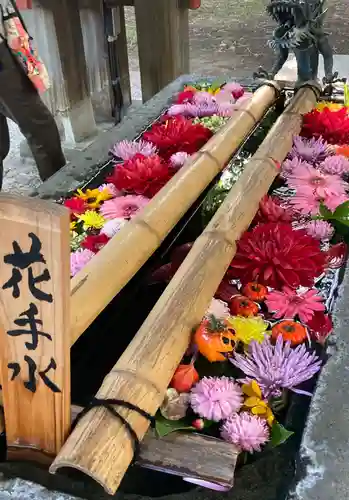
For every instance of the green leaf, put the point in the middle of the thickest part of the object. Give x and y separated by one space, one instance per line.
325 213
341 214
279 435
164 427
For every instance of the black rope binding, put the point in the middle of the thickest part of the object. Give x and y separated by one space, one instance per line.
108 405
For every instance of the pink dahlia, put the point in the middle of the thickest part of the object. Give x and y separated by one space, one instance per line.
178 159
216 398
289 303
123 207
113 226
307 180
248 432
311 150
319 229
235 89
128 149
79 259
274 254
335 165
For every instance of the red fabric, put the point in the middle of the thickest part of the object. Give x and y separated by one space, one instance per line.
24 4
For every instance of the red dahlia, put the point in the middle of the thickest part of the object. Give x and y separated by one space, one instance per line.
332 126
276 255
271 211
95 242
141 175
76 206
177 134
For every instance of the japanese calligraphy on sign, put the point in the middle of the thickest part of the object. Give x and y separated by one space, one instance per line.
34 321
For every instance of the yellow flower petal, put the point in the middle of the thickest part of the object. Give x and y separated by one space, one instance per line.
256 388
259 410
252 401
247 389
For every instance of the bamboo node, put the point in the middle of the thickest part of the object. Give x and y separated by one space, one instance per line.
141 222
250 114
212 157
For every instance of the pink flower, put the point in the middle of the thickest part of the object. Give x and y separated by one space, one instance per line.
290 303
235 89
178 159
309 204
216 398
111 189
79 259
124 207
335 165
310 150
246 431
289 165
113 226
319 229
128 149
307 180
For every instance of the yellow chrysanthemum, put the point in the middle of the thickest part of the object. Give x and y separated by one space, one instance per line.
92 219
255 404
93 197
332 106
72 227
248 329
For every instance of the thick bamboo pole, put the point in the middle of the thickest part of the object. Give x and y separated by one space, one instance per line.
110 270
100 445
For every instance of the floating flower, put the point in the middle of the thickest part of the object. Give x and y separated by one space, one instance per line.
73 227
255 402
248 329
123 207
308 180
331 126
218 309
93 198
178 134
142 175
111 189
126 150
271 211
309 204
291 303
278 366
185 96
184 378
246 431
95 242
192 110
335 165
319 229
79 259
178 160
91 219
320 326
342 150
290 331
113 226
235 89
289 165
175 405
216 398
311 150
76 206
275 254
332 106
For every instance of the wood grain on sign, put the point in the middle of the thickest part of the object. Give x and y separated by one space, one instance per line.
100 445
34 325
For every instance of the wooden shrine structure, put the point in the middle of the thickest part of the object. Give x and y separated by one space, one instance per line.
84 45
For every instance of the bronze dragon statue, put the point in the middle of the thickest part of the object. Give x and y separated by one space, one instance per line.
301 30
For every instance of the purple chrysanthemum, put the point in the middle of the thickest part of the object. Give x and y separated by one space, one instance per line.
178 159
277 366
289 165
192 110
79 259
248 432
216 398
338 165
126 150
312 150
319 229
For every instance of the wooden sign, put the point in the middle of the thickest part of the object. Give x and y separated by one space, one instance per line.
34 326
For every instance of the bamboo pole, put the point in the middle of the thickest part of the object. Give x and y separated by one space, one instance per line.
111 269
100 446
